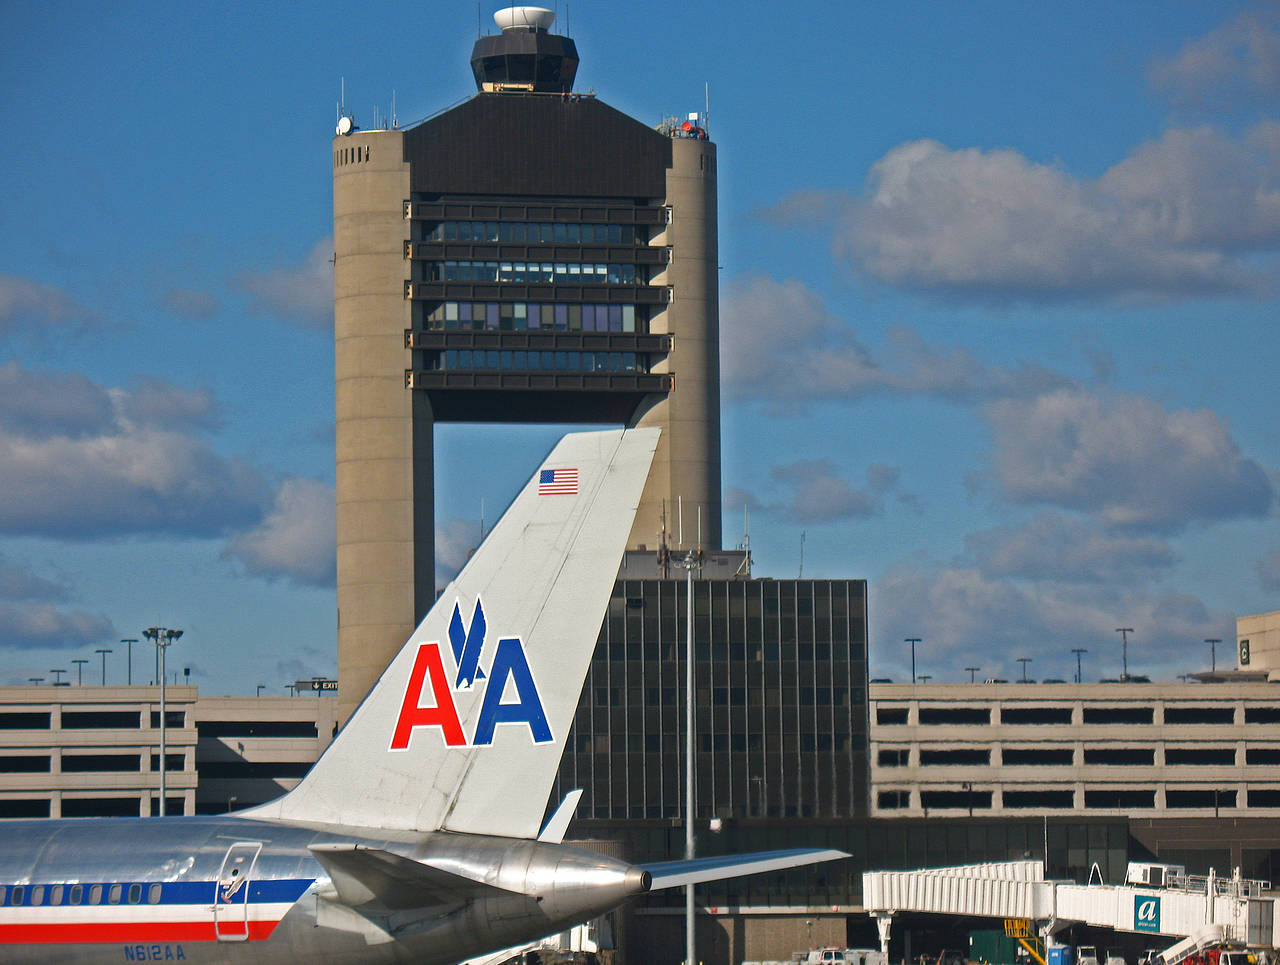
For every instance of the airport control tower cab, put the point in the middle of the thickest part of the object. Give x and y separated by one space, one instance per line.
526 56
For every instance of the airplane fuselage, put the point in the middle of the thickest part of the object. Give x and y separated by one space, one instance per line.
227 889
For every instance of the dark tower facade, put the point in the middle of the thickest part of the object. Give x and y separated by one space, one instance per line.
532 255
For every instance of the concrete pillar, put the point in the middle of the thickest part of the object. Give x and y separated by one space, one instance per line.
385 537
687 464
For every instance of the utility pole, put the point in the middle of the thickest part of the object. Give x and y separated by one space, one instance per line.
913 641
1124 652
972 671
1024 661
57 676
80 662
1077 651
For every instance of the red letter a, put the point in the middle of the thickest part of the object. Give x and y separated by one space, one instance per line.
443 715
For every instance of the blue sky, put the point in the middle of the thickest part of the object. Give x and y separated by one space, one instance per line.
998 316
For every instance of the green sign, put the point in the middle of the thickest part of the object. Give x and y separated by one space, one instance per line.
1146 913
1244 653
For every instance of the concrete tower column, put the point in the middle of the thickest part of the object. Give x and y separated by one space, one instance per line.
383 432
687 464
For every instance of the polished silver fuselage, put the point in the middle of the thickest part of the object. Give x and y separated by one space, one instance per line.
236 890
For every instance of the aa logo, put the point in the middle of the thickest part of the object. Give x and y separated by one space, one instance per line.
508 692
1146 913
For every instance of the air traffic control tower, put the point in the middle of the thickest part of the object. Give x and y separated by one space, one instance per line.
531 256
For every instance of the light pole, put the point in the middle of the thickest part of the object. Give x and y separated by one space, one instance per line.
37 681
913 641
972 671
80 662
925 678
260 689
1024 661
162 637
690 944
1213 651
1077 651
1124 652
129 641
104 651
57 675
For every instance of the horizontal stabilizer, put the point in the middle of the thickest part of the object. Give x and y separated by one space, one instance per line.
370 878
671 874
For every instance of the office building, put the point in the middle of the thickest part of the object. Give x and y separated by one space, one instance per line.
532 255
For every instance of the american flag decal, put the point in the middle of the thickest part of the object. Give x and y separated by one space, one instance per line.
558 482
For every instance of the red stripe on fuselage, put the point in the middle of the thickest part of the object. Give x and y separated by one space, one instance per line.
80 933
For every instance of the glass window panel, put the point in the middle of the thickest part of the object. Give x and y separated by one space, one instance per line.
505 273
491 230
562 271
615 318
628 234
615 234
491 270
562 361
628 318
575 270
546 232
517 231
451 358
573 233
562 318
464 311
491 315
464 230
451 231
560 234
615 274
535 361
490 358
628 274
521 360
575 361
506 360
602 273
574 317
451 311
548 272
477 231
504 231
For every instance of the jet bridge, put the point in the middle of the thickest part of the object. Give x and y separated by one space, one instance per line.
1184 905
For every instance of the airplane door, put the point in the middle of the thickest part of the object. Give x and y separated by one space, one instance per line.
231 893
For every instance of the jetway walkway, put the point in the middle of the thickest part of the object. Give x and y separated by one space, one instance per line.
1184 906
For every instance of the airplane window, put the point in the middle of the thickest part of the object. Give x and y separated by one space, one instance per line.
55 895
95 894
153 894
37 895
3 890
18 892
135 894
113 895
77 894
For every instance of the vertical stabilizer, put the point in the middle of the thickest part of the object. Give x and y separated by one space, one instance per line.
465 729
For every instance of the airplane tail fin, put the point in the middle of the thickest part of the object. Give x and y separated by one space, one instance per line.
465 729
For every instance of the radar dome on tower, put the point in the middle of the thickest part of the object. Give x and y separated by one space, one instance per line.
524 18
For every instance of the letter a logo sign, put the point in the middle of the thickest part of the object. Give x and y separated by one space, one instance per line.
1146 913
508 693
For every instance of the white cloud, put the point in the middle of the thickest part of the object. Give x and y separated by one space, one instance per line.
82 462
1125 459
1183 216
301 293
198 306
456 540
966 617
296 540
1234 65
1066 549
816 492
28 307
782 345
33 613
